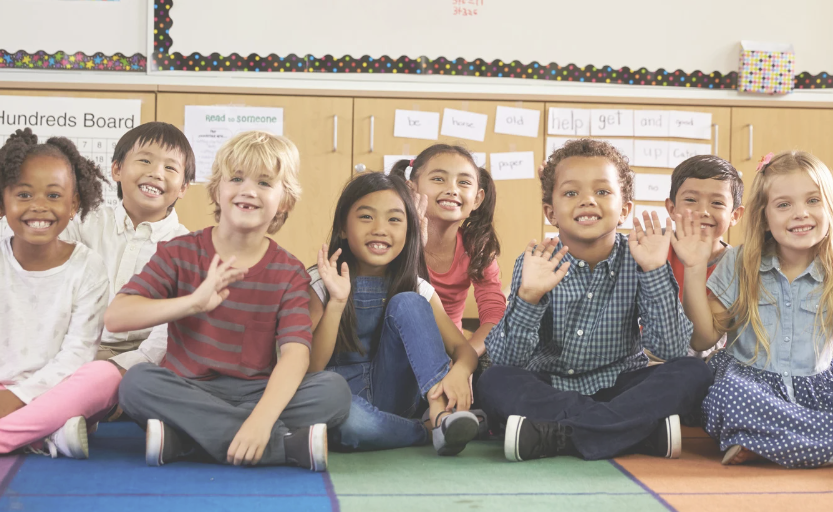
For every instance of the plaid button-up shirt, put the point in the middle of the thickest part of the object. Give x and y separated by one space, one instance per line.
585 331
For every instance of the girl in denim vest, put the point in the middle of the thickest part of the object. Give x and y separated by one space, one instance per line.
773 392
381 326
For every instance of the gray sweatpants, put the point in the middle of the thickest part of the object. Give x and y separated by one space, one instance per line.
210 412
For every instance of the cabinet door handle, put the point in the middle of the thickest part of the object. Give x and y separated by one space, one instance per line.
372 127
360 168
335 133
751 142
716 138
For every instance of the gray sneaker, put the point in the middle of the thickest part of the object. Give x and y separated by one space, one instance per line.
454 432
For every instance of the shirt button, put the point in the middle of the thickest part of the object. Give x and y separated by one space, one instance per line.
786 374
502 335
612 273
590 295
787 339
788 304
570 372
580 332
581 264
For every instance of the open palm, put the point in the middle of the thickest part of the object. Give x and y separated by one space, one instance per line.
692 245
338 286
214 288
538 275
649 246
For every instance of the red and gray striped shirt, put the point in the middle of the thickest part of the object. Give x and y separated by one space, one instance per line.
269 306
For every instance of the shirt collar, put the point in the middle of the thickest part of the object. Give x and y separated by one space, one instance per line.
158 230
611 258
769 262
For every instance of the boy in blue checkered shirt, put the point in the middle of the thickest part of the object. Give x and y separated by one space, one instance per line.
570 374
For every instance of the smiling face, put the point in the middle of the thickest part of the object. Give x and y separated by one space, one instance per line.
451 184
712 199
39 206
795 214
152 178
376 230
587 200
249 201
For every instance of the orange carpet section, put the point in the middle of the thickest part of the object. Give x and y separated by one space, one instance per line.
698 482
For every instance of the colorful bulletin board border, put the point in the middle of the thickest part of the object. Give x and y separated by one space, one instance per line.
163 60
72 61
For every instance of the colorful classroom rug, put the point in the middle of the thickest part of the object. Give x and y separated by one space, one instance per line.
413 479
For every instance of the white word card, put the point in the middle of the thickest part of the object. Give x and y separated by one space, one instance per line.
517 121
465 125
624 146
651 123
554 144
390 161
414 124
651 187
650 153
513 166
611 123
662 213
681 151
691 125
569 121
479 159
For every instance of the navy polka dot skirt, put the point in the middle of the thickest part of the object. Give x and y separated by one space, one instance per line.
751 408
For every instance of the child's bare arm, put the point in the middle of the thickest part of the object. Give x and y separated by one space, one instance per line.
325 320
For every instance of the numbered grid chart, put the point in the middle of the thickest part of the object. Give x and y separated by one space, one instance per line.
99 151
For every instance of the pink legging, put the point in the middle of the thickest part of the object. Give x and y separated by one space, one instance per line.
89 392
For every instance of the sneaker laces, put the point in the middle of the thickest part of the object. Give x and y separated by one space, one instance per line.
553 438
49 444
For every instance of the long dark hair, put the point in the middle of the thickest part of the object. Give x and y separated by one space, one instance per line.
479 237
402 273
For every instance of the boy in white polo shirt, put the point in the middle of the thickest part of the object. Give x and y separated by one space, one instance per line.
153 165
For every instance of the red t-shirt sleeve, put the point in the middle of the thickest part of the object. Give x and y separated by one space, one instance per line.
491 303
294 324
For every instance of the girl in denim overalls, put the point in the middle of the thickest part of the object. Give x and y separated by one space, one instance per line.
381 326
773 392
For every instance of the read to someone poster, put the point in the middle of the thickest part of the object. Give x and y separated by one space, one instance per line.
94 125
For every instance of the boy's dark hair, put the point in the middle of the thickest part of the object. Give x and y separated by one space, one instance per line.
587 148
402 273
87 178
156 132
478 231
705 167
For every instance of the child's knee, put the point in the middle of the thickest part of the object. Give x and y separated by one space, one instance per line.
696 372
335 397
407 301
136 383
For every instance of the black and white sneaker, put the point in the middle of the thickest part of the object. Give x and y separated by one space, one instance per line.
454 432
162 444
667 440
307 447
526 439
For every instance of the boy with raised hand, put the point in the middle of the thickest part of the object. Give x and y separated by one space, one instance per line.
570 375
222 390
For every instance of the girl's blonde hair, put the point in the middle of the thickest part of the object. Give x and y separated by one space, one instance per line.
256 153
758 242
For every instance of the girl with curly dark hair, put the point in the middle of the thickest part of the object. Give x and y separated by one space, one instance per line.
52 306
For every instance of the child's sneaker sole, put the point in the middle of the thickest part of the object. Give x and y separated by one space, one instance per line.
510 441
462 427
154 441
674 437
318 447
75 430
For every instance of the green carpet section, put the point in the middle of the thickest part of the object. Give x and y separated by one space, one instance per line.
480 478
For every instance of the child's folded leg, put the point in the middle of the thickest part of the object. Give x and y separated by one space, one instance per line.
89 392
369 428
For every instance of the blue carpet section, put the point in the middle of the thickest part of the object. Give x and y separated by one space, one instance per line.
119 480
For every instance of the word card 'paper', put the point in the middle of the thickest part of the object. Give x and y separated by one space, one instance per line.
517 121
569 121
651 123
650 153
390 161
513 166
479 159
651 187
681 151
555 143
611 123
465 125
691 125
414 124
662 213
624 146
207 128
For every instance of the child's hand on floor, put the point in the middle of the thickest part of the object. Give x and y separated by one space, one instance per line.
214 289
538 275
9 403
338 286
649 247
692 244
455 386
248 445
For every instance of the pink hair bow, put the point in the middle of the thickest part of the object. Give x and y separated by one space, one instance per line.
765 161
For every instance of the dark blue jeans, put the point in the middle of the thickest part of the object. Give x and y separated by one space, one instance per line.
611 422
409 360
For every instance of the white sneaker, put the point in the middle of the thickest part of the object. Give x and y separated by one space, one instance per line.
69 440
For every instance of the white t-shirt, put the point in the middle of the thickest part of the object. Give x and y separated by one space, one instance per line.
425 289
51 319
126 250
